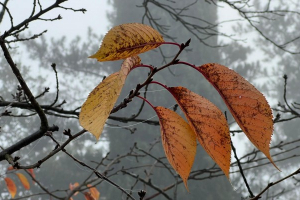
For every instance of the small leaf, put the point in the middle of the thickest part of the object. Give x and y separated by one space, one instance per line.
248 106
179 141
94 192
127 40
12 189
88 196
73 186
208 123
100 102
24 181
10 168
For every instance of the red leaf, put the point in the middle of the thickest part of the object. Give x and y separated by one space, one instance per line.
11 186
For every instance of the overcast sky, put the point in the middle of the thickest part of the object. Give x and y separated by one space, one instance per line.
71 25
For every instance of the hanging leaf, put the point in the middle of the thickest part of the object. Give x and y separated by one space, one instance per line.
100 102
179 141
208 123
73 186
248 106
10 168
24 181
88 196
12 189
94 192
127 40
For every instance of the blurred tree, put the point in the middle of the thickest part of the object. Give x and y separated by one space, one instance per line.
77 76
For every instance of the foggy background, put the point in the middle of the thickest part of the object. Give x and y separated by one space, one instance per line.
68 43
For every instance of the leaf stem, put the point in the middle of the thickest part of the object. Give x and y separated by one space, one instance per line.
146 101
173 43
158 83
186 63
142 65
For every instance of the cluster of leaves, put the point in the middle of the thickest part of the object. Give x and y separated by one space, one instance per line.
206 122
11 186
92 194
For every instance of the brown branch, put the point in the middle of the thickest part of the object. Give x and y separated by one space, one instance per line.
274 183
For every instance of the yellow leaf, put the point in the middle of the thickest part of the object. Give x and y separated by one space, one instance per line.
208 123
94 192
24 181
127 40
179 141
12 189
248 106
96 109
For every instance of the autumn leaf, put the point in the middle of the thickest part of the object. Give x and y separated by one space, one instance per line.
100 102
208 123
24 181
12 189
94 192
10 168
88 196
248 106
73 186
179 141
127 40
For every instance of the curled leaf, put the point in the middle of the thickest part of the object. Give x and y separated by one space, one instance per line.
127 40
96 109
11 186
209 124
178 140
248 106
23 180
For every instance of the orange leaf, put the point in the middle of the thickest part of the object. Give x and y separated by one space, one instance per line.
127 40
73 186
94 192
100 102
24 181
31 172
88 196
179 141
10 168
248 106
12 189
208 123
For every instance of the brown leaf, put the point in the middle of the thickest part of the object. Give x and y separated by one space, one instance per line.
12 189
24 181
88 196
248 106
73 186
208 123
94 192
179 141
96 109
127 40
